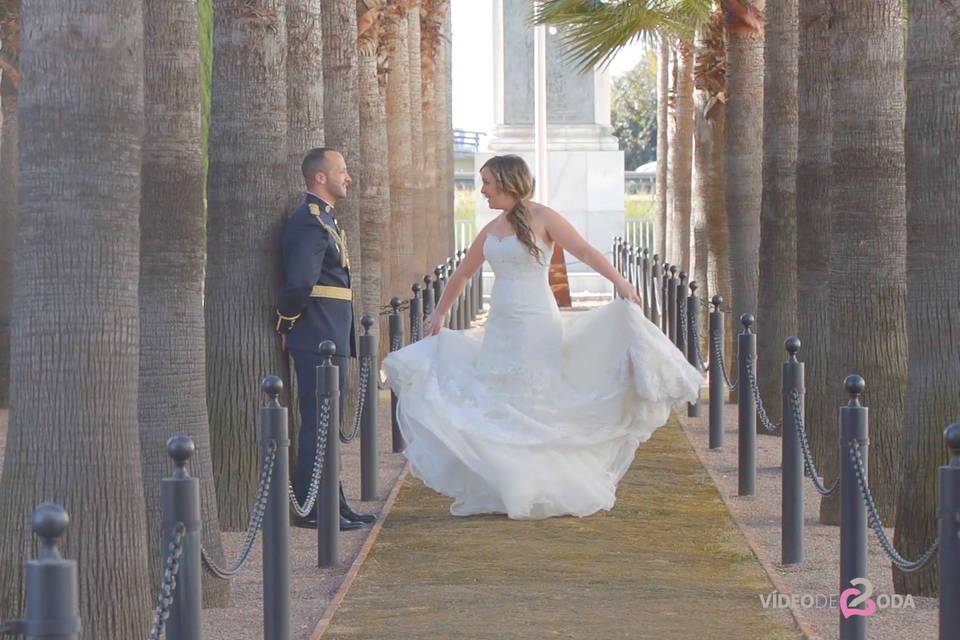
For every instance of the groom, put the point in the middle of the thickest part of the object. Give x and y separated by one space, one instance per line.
314 305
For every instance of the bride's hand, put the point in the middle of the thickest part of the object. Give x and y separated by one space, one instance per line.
627 291
432 324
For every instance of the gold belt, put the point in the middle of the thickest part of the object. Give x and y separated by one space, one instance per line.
325 291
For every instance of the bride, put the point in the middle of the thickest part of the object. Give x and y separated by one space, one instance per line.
533 416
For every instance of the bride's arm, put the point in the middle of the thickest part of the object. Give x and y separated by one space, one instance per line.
455 284
570 239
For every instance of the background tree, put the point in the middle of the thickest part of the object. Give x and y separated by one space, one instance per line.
634 113
681 157
9 149
372 171
248 189
304 88
814 176
433 15
777 288
75 333
172 245
743 144
445 139
418 212
867 249
663 143
933 233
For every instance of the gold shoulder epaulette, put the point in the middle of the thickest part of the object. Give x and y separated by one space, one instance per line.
314 209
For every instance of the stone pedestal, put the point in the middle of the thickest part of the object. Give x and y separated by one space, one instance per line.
585 164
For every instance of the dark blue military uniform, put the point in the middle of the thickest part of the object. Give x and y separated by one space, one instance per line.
314 305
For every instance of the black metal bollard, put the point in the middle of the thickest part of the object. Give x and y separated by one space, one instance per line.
854 427
480 289
644 281
180 507
717 388
628 263
52 606
672 286
369 489
396 342
439 275
616 261
328 500
455 308
747 411
416 313
950 536
791 457
429 302
679 316
693 341
656 300
461 299
276 517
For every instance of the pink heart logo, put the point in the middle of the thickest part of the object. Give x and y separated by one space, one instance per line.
845 597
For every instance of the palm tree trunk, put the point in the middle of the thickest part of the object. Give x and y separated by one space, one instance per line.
445 137
9 150
75 333
372 172
867 251
814 175
342 132
777 292
248 189
172 244
683 171
402 268
304 88
9 161
431 27
418 210
743 165
672 247
933 234
663 91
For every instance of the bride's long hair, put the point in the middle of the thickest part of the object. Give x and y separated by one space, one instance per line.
513 176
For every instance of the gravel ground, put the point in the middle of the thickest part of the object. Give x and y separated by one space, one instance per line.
759 519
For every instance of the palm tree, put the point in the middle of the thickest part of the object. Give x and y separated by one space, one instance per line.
75 332
680 155
933 230
743 145
445 135
813 218
304 87
867 250
248 189
9 82
418 213
663 111
432 16
372 172
172 244
777 291
396 34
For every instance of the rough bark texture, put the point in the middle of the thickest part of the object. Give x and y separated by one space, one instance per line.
683 170
933 236
814 176
75 335
431 28
777 290
9 163
663 89
372 171
743 164
304 88
445 135
342 132
868 244
172 395
402 268
419 213
671 251
247 195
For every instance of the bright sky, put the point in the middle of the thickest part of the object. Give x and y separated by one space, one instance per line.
473 64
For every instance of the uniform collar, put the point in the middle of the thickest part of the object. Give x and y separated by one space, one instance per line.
325 206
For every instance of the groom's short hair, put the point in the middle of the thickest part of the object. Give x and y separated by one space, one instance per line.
314 161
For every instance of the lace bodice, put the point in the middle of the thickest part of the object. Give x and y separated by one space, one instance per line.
511 259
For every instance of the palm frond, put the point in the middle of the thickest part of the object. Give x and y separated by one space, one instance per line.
593 31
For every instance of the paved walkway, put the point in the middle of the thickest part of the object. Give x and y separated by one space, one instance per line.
667 562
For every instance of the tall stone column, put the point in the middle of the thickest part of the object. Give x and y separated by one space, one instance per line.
585 164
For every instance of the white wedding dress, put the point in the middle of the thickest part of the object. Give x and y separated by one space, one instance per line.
532 416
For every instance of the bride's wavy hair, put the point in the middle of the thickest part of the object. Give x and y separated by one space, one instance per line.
513 176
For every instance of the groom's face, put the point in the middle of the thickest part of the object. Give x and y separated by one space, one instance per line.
334 176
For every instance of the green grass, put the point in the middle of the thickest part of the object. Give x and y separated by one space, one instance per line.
640 206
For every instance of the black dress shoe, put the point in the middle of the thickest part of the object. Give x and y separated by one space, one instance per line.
351 515
311 523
